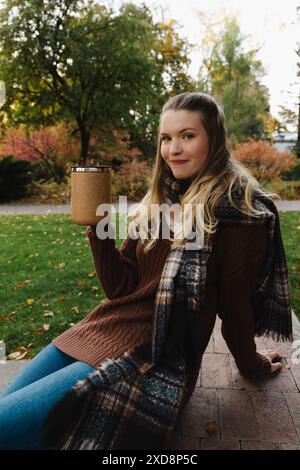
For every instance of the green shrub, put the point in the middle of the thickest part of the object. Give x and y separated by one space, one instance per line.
293 174
285 189
50 192
15 176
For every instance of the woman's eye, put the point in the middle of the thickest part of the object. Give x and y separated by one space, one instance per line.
190 136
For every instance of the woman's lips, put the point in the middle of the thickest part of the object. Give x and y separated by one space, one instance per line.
178 162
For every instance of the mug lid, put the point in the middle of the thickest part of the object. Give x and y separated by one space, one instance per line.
85 169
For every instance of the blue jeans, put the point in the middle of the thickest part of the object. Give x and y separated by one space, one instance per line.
28 399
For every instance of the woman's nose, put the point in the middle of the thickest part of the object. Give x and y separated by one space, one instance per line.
175 148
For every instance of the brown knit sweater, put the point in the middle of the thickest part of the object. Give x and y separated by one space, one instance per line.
130 279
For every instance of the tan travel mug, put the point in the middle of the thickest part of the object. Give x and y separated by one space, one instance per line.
90 186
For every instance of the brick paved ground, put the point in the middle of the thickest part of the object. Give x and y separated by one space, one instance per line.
227 411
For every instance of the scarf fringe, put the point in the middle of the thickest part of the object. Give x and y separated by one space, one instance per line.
277 328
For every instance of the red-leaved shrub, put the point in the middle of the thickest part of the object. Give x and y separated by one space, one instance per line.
263 160
48 149
132 180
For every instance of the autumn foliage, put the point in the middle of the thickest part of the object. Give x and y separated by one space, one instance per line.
47 149
132 180
263 160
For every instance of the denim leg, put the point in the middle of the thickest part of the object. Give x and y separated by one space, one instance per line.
48 360
23 412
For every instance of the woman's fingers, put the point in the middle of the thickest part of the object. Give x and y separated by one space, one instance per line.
275 355
271 354
274 358
278 356
275 366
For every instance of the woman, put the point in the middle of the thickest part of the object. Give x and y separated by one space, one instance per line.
162 302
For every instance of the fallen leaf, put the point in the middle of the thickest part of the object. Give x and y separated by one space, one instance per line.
61 299
59 266
81 283
14 355
22 355
75 309
211 427
46 326
42 329
21 284
29 345
28 280
91 274
94 288
48 314
29 301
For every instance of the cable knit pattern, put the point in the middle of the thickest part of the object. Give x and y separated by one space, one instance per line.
130 279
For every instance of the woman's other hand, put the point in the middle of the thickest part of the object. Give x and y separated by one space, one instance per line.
274 359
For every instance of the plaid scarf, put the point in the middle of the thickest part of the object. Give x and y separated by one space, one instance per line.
133 402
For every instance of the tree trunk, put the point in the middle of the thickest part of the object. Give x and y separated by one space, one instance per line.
85 143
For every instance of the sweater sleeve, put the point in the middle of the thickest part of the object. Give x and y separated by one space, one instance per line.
242 252
116 269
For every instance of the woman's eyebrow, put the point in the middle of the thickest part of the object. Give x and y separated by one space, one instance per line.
182 130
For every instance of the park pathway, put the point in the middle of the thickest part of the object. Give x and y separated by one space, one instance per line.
19 209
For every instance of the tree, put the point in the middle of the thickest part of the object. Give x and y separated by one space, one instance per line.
297 118
79 62
291 117
298 122
75 61
232 75
171 54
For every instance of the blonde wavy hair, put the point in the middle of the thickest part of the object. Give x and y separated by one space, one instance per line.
221 175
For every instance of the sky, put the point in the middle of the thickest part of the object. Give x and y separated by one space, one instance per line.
269 24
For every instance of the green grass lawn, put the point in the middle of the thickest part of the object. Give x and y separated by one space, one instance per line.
290 228
47 277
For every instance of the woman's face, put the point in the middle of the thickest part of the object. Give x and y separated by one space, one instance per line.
183 139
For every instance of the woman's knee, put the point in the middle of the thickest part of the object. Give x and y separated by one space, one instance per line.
48 360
